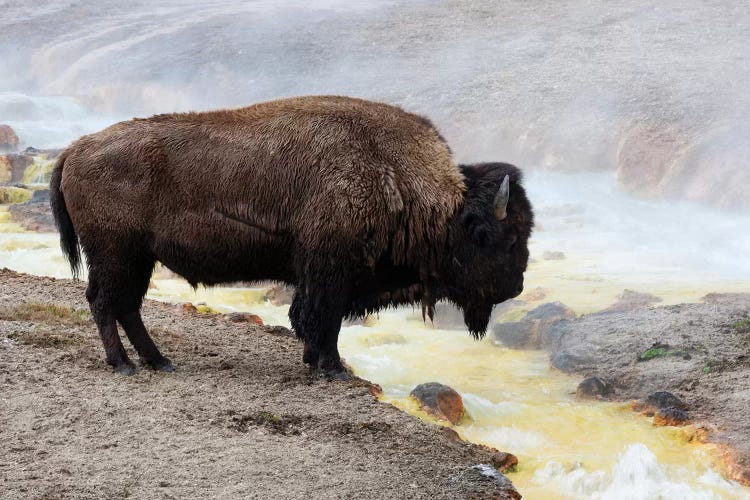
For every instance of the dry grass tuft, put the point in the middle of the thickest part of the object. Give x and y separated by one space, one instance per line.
46 313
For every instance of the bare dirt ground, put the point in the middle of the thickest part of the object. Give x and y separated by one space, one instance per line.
241 416
699 352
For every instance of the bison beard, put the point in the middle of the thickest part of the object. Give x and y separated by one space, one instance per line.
477 318
357 204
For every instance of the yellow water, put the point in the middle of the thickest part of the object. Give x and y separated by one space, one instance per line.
516 402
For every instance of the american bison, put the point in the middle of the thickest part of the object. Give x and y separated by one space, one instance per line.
357 204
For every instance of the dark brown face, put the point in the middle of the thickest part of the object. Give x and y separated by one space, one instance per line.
488 255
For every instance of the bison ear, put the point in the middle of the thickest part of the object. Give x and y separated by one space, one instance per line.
501 199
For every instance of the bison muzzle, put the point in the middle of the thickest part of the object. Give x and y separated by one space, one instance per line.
357 204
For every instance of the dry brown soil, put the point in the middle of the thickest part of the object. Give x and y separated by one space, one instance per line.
240 418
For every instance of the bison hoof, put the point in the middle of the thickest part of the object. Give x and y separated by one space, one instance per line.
341 375
125 369
163 365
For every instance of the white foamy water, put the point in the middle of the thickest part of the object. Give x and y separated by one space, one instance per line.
637 475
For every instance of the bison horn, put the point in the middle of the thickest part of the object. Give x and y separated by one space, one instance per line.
501 199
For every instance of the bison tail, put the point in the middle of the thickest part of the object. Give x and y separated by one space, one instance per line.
68 237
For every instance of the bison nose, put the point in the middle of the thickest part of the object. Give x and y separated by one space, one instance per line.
519 290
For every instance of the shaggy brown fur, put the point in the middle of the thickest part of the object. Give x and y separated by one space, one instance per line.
312 167
320 192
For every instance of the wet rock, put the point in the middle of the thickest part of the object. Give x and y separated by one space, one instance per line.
549 255
502 460
8 139
630 300
242 317
40 196
280 295
13 166
660 400
189 308
569 362
377 391
535 330
671 416
594 388
440 401
664 399
482 473
33 217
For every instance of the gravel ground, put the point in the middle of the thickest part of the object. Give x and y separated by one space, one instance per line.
241 416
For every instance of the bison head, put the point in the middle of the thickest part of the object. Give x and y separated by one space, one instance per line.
487 242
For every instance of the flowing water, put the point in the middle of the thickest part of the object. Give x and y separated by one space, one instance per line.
549 85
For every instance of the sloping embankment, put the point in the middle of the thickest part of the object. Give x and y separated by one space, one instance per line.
241 416
699 352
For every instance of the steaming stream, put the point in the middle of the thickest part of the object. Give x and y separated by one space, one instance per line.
567 448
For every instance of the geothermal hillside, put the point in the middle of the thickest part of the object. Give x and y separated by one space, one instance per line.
655 92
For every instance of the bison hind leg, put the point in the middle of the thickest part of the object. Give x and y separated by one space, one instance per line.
118 281
107 326
138 335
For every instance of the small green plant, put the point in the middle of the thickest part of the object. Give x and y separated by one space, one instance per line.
652 353
267 416
742 326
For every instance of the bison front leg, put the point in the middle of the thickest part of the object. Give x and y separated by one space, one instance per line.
316 314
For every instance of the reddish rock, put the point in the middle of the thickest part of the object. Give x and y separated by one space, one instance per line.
440 401
375 390
188 307
8 138
501 460
241 317
12 167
